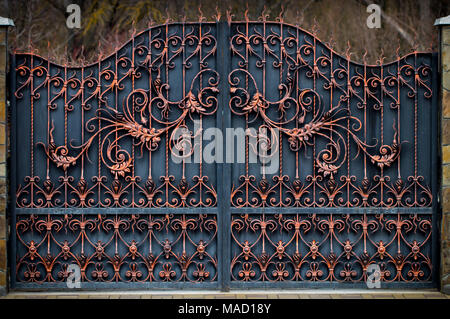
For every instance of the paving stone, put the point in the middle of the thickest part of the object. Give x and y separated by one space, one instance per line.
317 296
257 297
287 296
428 294
351 296
383 296
414 296
130 296
67 296
435 296
227 296
98 296
162 297
34 297
193 296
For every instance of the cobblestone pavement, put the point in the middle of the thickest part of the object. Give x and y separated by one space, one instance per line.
235 294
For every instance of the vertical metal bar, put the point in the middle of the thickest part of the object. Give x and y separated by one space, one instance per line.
223 168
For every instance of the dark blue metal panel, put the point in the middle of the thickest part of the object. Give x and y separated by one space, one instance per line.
354 184
103 180
94 181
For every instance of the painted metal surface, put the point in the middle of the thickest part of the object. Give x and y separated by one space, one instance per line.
98 179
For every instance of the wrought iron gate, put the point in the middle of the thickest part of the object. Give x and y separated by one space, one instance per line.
98 179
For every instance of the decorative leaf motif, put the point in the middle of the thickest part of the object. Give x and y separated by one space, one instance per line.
326 168
122 168
192 103
255 104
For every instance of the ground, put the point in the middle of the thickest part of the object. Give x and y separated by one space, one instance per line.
236 294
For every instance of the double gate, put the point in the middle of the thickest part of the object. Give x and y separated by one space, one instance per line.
102 182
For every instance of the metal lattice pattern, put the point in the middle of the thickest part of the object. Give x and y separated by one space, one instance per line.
331 247
87 128
349 134
131 248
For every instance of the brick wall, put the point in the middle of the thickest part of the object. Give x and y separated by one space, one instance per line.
445 151
3 154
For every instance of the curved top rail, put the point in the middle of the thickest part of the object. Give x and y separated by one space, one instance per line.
134 36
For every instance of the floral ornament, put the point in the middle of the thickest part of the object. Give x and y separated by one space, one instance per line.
247 273
280 273
134 274
99 274
32 274
122 124
167 273
201 272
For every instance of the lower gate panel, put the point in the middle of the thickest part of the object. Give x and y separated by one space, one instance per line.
330 248
157 250
181 250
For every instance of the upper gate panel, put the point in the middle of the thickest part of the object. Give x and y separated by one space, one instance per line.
108 134
342 133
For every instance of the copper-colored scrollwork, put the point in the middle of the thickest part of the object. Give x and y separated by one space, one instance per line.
163 248
124 137
330 248
333 114
112 127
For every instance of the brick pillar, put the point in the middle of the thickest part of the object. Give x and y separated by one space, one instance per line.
444 65
4 24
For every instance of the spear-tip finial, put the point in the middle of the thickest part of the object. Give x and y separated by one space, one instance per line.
315 27
246 12
381 57
218 14
99 49
201 17
229 15
397 50
330 42
280 17
133 28
167 15
365 56
348 53
264 14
